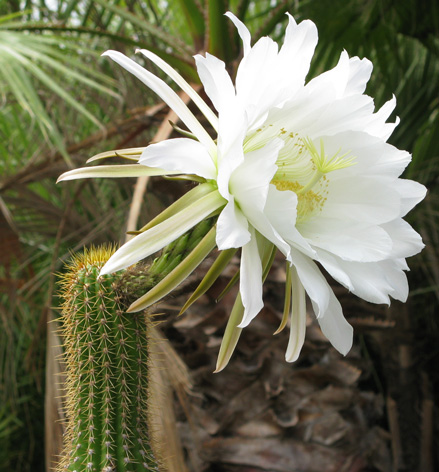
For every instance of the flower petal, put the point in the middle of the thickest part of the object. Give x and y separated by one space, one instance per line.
243 32
397 278
250 182
250 285
257 96
326 306
335 327
367 200
295 54
377 125
371 281
313 281
406 241
166 94
232 227
162 234
281 212
181 82
411 194
349 240
216 81
180 154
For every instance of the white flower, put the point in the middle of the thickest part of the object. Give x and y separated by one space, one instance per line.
302 168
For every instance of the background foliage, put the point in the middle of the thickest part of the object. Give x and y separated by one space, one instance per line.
60 104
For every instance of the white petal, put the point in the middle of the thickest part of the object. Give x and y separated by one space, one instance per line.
368 200
411 194
181 82
335 327
368 280
280 74
250 285
181 154
332 266
373 282
250 182
232 227
397 279
348 77
166 94
162 234
349 113
260 221
406 241
313 281
349 240
216 81
281 210
296 53
243 32
334 81
261 63
360 71
233 128
377 125
326 306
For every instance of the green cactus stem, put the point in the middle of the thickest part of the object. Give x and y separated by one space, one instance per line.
107 364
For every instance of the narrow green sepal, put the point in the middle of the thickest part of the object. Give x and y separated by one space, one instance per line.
190 177
287 301
182 131
180 273
231 335
188 198
229 286
212 274
132 154
269 253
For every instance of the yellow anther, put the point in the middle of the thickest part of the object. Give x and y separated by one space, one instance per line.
308 202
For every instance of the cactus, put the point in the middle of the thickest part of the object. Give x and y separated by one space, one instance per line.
107 373
106 353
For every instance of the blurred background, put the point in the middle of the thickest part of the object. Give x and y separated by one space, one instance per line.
60 103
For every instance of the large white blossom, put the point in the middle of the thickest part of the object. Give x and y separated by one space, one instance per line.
304 168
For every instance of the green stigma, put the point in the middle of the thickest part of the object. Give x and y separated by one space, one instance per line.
324 163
